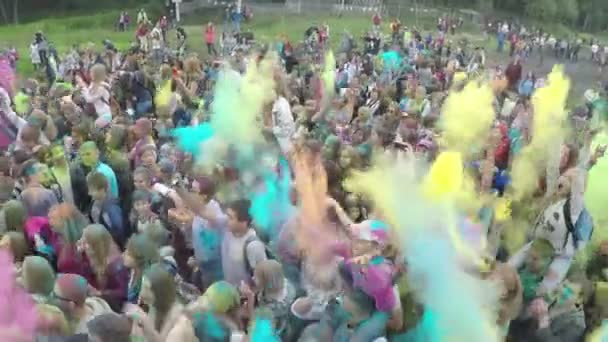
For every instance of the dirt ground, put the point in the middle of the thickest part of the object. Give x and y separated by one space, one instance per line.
583 74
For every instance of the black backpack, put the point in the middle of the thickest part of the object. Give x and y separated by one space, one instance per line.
582 229
269 253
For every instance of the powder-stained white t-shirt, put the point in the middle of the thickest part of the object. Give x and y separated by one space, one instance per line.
233 257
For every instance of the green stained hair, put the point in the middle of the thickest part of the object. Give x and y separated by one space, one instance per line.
14 216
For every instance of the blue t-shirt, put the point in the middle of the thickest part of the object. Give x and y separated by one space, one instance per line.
391 60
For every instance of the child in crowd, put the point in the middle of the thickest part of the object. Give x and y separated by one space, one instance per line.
105 209
142 215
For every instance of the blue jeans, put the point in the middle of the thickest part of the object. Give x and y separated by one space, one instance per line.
210 272
143 108
181 118
236 25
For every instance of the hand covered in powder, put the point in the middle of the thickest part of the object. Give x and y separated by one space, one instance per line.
539 310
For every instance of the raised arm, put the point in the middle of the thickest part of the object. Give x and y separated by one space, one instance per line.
189 200
579 180
91 96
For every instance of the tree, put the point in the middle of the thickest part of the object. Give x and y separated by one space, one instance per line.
15 12
567 10
593 14
12 7
541 9
4 12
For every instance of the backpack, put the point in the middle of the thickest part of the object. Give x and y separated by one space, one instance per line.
269 253
581 230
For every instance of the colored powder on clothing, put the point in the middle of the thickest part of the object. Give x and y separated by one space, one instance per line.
391 60
467 117
210 325
329 73
7 76
548 131
263 331
163 95
22 103
596 194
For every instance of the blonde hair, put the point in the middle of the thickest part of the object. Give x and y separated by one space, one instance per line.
269 276
192 65
165 72
38 275
71 222
98 73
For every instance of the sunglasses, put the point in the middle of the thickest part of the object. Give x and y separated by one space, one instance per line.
56 296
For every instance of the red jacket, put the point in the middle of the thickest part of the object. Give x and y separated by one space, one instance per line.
376 19
210 35
501 154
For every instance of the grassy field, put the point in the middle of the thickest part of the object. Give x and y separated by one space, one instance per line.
77 30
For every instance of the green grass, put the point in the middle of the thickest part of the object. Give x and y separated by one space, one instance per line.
66 32
77 30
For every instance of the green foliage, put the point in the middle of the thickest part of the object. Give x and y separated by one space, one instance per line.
567 10
541 9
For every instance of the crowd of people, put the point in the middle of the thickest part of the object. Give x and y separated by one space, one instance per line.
526 42
124 223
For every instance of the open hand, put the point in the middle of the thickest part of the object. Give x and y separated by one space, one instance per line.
246 290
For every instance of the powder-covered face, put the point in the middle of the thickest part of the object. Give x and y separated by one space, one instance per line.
535 262
346 159
89 157
57 155
140 182
148 158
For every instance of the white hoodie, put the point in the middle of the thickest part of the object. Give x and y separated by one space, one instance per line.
284 126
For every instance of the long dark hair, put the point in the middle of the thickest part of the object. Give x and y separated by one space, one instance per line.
164 290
